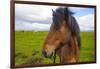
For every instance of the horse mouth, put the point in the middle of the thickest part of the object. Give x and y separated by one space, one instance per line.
47 55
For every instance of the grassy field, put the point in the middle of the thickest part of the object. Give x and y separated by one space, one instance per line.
28 46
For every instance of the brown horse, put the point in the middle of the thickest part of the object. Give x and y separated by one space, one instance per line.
63 38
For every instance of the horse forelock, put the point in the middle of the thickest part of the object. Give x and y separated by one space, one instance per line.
63 13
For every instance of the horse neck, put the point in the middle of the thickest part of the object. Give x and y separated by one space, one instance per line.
68 51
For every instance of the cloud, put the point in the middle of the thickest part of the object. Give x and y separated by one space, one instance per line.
39 18
85 17
32 26
33 12
33 17
86 22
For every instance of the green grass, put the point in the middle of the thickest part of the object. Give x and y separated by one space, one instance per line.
87 52
28 46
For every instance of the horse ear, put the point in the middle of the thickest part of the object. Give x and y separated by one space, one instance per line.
53 11
66 11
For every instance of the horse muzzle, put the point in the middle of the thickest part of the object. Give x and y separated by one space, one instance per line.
47 54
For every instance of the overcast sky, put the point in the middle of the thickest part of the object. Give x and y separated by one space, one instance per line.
39 17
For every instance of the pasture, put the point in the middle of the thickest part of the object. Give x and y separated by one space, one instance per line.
28 48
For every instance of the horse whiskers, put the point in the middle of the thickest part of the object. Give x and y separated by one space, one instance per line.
50 49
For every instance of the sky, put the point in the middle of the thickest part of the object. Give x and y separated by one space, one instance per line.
39 17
